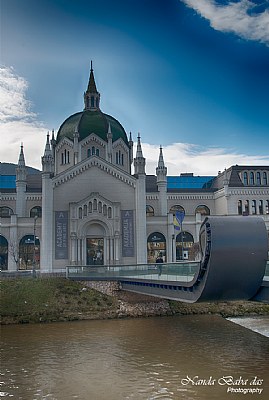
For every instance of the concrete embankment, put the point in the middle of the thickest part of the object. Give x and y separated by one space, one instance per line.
57 299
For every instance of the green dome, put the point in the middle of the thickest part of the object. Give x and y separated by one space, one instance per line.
88 122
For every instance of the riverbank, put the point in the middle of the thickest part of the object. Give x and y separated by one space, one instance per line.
57 299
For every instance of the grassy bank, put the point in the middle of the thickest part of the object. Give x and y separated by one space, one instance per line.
57 299
51 299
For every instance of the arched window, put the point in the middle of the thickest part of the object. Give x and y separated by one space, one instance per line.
239 207
117 158
62 155
245 178
85 210
100 207
203 210
251 178
254 207
264 178
94 205
89 153
156 245
149 211
260 207
6 212
122 159
29 252
92 101
258 178
36 212
184 242
109 212
4 253
176 208
90 207
93 150
105 209
97 152
80 212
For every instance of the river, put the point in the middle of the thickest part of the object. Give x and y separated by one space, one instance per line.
182 357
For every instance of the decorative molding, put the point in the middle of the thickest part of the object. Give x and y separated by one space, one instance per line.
33 197
93 138
93 161
152 197
8 197
190 197
64 141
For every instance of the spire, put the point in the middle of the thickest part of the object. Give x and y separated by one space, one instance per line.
139 148
91 96
161 170
139 161
21 162
161 162
21 168
47 151
47 159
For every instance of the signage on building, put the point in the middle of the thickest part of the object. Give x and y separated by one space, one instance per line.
61 235
127 226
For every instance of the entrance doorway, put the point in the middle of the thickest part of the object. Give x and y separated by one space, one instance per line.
95 251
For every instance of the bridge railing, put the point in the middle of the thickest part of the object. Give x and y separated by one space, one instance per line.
181 271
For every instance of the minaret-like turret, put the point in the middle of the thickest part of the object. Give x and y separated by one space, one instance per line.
76 146
131 147
91 96
47 208
161 172
141 230
21 185
109 143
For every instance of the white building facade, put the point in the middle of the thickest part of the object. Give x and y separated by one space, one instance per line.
93 203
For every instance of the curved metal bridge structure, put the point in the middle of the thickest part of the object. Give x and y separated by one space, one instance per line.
234 256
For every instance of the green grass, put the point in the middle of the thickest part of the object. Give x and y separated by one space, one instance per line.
50 299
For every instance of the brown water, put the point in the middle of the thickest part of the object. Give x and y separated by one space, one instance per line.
134 359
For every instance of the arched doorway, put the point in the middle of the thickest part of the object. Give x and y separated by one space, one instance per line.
29 252
184 242
3 253
95 250
156 246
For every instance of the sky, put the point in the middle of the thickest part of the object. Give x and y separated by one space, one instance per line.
191 76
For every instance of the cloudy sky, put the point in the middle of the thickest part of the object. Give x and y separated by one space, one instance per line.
190 75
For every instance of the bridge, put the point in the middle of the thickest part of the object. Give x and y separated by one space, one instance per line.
233 266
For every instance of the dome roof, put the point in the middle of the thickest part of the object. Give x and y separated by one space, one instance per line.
88 122
92 119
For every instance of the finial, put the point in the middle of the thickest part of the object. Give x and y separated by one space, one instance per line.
91 66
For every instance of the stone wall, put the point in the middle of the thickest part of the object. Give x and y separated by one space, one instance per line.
105 287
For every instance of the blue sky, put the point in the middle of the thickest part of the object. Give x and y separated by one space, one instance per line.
192 76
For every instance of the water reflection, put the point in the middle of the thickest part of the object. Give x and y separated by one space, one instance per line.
129 359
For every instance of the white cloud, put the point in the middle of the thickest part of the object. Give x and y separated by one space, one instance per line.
234 18
18 124
184 157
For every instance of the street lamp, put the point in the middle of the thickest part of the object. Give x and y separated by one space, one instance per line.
34 258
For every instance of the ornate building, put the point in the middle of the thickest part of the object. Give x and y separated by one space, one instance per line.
93 203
